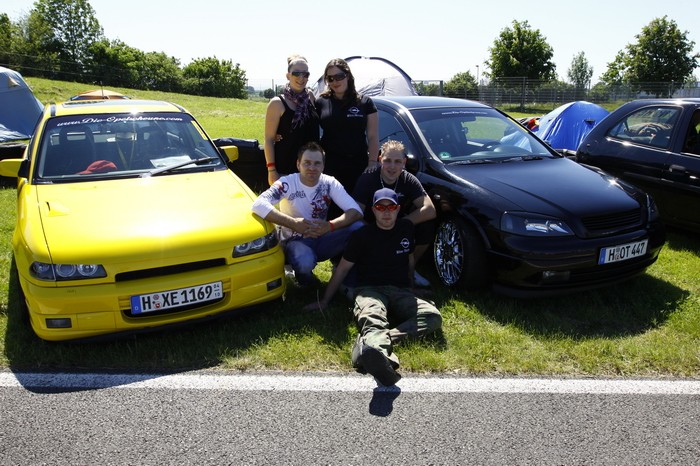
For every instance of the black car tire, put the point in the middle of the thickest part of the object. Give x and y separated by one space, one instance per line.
459 255
17 296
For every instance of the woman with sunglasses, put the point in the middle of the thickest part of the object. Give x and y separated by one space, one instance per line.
290 121
350 125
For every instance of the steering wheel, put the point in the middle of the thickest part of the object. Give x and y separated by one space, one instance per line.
650 130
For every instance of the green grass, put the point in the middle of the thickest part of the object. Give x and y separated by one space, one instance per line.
646 327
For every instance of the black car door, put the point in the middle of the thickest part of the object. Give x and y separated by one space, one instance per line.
681 176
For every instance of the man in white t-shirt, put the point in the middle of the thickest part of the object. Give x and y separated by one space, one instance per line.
304 198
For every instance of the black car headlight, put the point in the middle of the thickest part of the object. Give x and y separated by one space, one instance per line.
261 244
63 272
526 224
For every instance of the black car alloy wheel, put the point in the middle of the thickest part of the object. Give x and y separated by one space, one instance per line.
459 255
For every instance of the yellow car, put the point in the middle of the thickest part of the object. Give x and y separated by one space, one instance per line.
128 218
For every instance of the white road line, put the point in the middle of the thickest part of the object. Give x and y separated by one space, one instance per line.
344 383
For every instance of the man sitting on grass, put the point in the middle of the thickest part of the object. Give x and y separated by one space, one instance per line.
307 236
386 308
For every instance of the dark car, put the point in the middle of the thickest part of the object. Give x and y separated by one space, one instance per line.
512 212
654 145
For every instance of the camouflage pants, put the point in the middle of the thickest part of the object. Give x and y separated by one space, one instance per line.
386 315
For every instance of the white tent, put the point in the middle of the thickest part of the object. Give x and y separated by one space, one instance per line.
375 76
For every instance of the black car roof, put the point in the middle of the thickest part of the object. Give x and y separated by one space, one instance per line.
413 102
671 101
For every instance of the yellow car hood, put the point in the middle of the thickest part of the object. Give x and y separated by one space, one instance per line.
184 214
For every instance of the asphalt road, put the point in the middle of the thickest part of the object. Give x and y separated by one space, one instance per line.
219 418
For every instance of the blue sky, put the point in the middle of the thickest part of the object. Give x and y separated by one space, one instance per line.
430 40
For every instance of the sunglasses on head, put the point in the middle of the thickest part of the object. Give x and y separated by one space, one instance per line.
300 74
389 207
336 77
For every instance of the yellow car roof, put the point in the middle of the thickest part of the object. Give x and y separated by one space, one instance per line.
83 107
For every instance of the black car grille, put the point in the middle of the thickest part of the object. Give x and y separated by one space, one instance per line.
171 270
600 225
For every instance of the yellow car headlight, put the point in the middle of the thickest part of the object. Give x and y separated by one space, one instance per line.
261 244
62 272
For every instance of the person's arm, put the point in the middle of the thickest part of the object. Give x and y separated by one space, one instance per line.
424 211
345 219
341 271
351 211
373 139
264 207
297 224
274 112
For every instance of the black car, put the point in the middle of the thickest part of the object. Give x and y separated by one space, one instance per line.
654 145
512 212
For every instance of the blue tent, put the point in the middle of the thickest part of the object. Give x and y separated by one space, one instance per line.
565 126
19 109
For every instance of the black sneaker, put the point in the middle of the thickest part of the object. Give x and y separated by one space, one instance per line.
378 365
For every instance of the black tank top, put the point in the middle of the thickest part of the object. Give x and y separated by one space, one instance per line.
292 139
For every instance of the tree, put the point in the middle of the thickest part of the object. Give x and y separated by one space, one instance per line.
160 72
580 74
427 89
662 54
33 58
5 38
73 29
461 85
521 52
617 70
115 64
211 77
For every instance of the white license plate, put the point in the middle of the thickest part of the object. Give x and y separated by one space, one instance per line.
622 252
172 299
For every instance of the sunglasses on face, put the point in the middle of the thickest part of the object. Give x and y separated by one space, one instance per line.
300 74
382 207
336 77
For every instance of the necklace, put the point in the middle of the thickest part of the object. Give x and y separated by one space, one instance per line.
396 183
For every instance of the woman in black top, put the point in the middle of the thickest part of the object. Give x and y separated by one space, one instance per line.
290 121
350 125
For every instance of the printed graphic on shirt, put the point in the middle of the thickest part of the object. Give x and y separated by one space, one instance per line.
404 247
321 200
354 112
280 189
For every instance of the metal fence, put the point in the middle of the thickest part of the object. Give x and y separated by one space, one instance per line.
523 93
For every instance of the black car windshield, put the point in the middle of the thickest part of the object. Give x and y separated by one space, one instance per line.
81 147
476 135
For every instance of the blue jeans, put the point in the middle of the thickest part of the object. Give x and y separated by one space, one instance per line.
304 253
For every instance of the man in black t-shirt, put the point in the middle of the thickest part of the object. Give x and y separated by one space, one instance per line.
414 201
386 309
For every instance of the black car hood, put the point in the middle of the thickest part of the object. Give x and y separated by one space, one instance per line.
552 186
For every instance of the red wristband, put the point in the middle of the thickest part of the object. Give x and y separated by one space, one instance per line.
270 164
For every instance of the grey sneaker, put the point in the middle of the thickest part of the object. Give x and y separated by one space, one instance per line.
288 271
378 365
